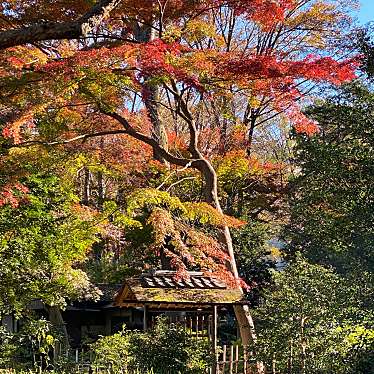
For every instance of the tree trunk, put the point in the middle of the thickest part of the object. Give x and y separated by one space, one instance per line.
100 190
251 129
86 187
290 358
303 345
242 312
55 317
145 33
158 129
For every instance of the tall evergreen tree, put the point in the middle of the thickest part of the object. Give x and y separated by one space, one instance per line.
332 197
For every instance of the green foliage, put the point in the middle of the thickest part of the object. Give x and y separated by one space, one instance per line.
146 199
30 347
331 199
113 351
365 45
253 256
358 348
304 319
107 269
9 348
249 187
39 331
165 349
169 349
119 218
41 242
331 224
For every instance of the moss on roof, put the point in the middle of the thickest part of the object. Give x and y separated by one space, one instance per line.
135 290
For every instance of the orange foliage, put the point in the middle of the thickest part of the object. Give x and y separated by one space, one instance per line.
12 194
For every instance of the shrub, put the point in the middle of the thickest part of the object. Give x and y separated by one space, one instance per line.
113 352
165 349
28 348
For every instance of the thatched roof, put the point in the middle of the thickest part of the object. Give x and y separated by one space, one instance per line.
161 289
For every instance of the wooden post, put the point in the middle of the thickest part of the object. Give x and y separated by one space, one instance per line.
245 359
236 358
210 332
231 359
214 339
224 358
145 327
215 329
55 351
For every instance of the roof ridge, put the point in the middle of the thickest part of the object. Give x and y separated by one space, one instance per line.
172 272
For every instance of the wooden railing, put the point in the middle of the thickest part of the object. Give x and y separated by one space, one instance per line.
230 359
233 359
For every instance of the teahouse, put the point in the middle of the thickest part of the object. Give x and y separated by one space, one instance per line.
193 301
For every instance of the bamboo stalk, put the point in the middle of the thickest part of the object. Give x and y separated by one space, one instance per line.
236 358
197 326
273 365
224 359
231 363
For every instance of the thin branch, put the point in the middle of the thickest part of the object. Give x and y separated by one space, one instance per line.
178 182
171 174
66 141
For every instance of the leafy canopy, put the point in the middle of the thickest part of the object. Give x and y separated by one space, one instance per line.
41 242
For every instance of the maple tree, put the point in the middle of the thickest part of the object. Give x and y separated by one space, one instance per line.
149 60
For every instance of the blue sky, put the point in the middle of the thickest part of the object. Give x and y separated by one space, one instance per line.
366 12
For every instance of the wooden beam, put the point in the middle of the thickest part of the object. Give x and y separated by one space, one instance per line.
145 327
